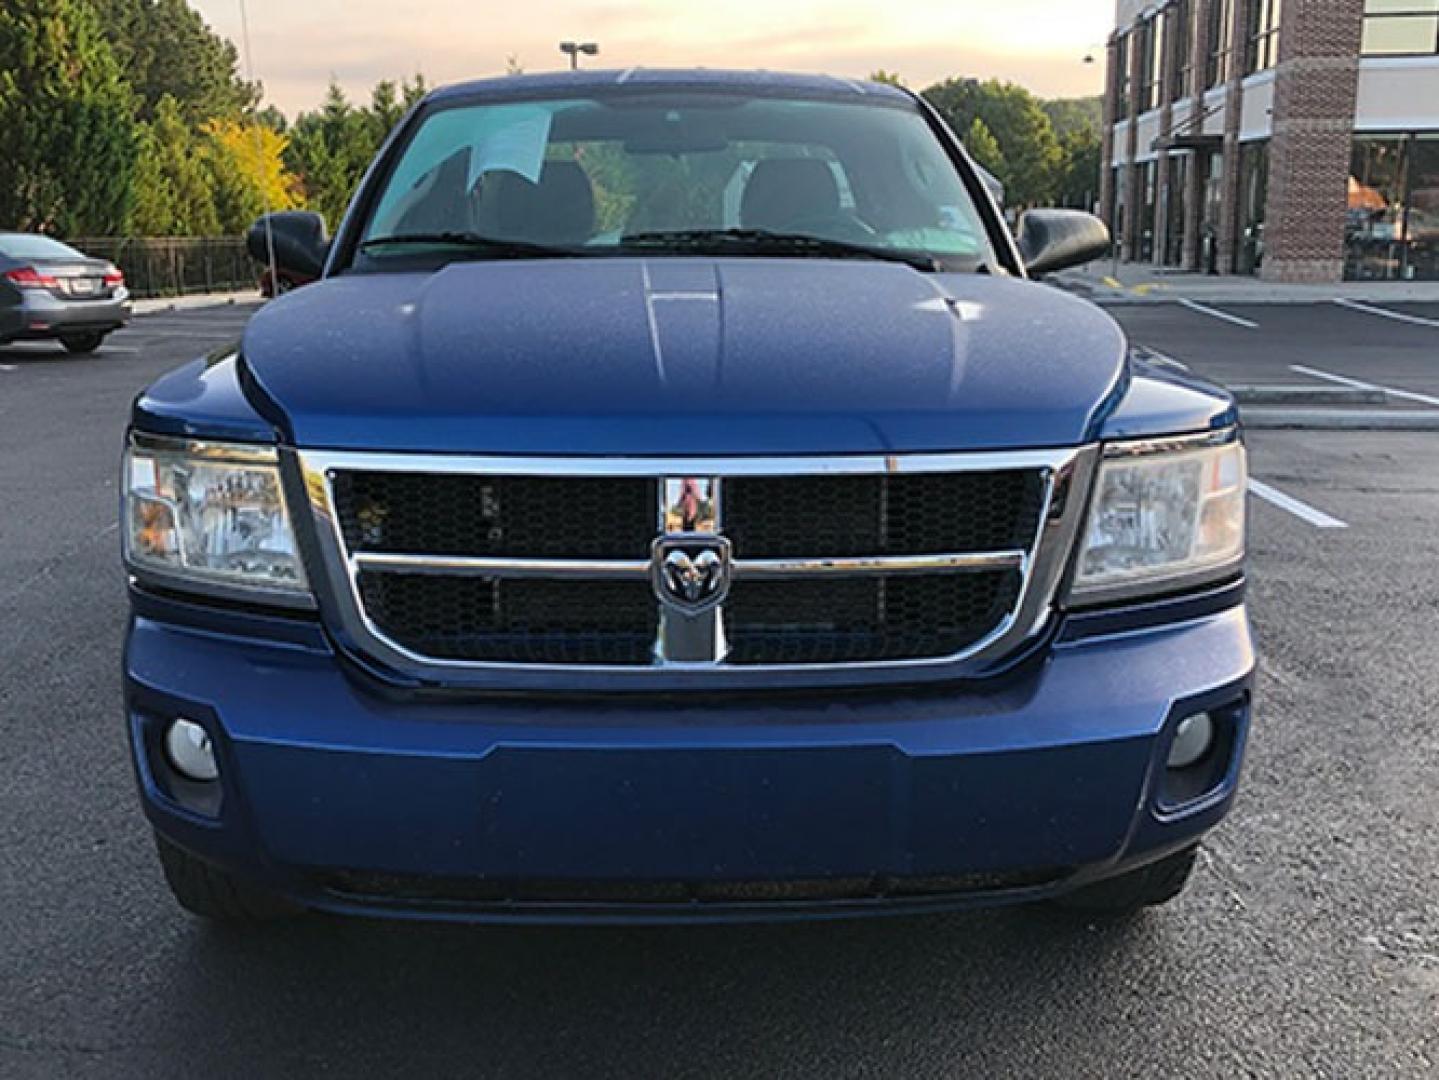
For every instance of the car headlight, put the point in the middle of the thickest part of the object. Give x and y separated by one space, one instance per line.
210 516
1165 515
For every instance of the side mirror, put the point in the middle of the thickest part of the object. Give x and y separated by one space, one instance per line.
302 243
1051 240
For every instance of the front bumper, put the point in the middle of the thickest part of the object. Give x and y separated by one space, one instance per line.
347 799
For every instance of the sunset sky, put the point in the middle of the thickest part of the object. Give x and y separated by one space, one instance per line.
299 44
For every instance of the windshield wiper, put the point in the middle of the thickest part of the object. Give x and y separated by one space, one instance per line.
765 242
491 246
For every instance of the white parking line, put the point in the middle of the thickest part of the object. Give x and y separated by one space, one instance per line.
119 349
8 367
1397 316
1356 384
1165 359
1215 313
1318 518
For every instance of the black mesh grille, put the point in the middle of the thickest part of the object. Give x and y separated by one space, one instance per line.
919 514
834 621
518 516
854 620
519 621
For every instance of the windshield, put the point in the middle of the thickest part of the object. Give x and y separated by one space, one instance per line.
25 246
671 171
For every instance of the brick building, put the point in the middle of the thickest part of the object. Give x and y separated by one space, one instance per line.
1293 139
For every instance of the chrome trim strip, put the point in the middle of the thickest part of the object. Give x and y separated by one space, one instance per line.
1068 474
468 566
659 468
744 569
972 562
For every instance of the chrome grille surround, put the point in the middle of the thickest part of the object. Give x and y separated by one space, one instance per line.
690 652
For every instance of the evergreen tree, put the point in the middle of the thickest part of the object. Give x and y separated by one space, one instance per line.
166 49
174 179
331 149
68 138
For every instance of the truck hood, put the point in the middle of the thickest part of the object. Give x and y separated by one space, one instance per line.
680 357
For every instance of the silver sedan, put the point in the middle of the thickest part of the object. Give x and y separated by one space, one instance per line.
50 291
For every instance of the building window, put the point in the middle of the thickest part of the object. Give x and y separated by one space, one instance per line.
1121 79
1253 204
1424 208
1177 195
1401 27
1181 28
1121 197
1147 41
1221 42
1148 175
1262 46
1375 233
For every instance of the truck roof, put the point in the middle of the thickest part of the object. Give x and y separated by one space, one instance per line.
588 81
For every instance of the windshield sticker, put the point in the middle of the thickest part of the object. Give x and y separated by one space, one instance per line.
516 144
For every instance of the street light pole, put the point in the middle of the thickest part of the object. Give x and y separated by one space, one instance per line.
573 49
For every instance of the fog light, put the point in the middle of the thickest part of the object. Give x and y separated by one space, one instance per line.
1193 739
188 747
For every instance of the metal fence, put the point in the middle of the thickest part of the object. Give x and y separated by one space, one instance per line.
175 266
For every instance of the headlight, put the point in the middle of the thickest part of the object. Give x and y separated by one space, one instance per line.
211 516
1165 515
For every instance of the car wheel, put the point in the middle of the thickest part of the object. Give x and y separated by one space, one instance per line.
1149 886
82 343
206 891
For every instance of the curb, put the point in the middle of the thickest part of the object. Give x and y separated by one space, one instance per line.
163 305
1331 419
1307 395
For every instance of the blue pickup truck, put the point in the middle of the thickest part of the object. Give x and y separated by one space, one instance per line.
675 500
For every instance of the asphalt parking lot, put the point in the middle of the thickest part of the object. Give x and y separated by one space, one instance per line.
1308 944
1391 346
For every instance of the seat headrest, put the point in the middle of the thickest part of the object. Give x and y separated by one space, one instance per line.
559 210
782 191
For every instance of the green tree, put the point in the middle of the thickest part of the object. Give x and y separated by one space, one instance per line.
68 139
891 78
412 90
1033 158
174 179
329 151
982 146
1083 158
166 49
386 108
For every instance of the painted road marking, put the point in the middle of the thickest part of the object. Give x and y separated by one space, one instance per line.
1397 316
8 367
1357 384
1215 313
1165 359
1318 518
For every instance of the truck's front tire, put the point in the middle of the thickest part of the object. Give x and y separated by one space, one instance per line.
1149 886
210 893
